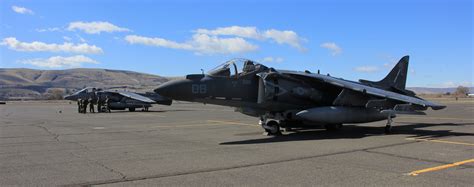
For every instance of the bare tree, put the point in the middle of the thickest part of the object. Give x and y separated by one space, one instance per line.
461 91
54 94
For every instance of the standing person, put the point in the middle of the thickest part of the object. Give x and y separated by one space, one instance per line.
99 105
79 107
107 103
84 105
91 105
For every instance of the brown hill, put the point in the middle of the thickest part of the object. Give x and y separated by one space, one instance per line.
34 83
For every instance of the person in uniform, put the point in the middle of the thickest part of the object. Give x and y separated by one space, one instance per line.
99 104
79 107
84 105
91 105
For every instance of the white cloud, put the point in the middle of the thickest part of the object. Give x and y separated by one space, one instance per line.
389 65
224 40
52 29
390 61
244 32
81 39
22 10
272 59
160 42
95 27
60 62
67 38
212 44
285 37
333 47
36 46
281 37
366 69
200 44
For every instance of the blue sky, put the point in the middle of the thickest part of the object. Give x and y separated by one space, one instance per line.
172 38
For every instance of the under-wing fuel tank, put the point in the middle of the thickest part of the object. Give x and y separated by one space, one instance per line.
341 114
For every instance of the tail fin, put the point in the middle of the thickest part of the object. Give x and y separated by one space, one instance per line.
396 79
398 76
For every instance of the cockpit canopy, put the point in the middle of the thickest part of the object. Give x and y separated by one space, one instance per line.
87 90
236 67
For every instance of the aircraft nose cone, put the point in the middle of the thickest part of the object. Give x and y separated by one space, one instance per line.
162 90
170 89
68 97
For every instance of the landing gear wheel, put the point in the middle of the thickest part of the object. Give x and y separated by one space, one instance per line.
131 109
333 127
272 128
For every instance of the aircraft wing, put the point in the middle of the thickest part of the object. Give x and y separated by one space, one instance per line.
135 96
157 98
357 87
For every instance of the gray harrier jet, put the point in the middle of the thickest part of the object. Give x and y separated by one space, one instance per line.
120 100
282 98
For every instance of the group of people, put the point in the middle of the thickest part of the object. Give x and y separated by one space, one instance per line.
102 106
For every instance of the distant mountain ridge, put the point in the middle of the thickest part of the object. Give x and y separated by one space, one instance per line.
21 82
425 90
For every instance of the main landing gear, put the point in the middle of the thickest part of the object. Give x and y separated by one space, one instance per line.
271 127
388 127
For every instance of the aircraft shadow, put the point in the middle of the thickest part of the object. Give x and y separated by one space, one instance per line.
176 110
150 111
357 131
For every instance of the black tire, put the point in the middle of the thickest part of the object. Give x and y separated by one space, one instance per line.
272 128
131 109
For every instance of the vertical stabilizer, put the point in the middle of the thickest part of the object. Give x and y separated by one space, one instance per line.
396 79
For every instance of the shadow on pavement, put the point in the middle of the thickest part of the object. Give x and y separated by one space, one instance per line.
354 131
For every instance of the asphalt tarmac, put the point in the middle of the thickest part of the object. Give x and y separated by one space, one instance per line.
49 143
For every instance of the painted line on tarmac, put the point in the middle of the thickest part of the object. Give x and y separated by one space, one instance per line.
440 141
231 123
407 117
417 172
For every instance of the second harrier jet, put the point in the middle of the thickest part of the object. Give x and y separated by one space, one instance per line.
120 100
283 98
